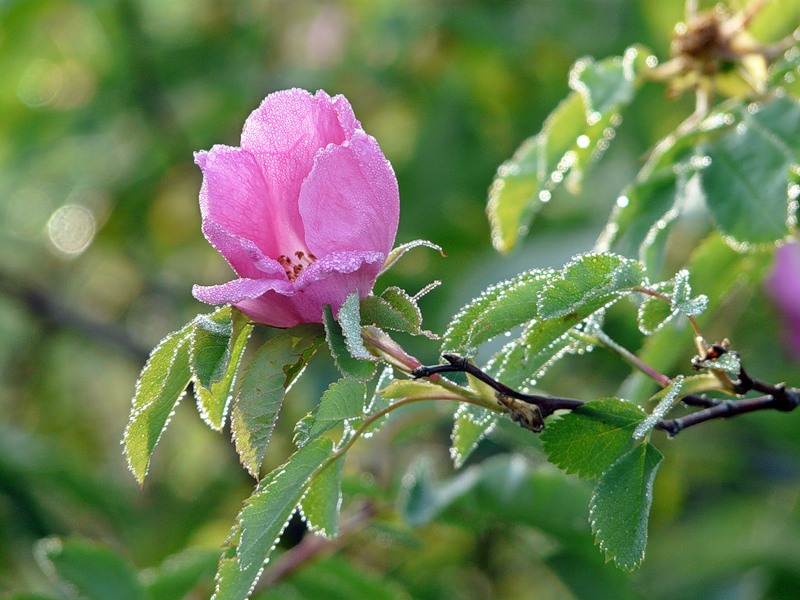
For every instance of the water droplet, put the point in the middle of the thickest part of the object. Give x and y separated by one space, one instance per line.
545 196
557 176
651 61
741 128
794 191
623 201
680 28
583 141
753 107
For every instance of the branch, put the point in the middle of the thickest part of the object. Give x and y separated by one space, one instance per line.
778 397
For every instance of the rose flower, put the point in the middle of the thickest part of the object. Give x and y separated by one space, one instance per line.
305 210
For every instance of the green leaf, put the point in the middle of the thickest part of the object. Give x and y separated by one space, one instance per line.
376 404
263 519
179 574
472 424
320 506
589 439
751 183
217 345
393 309
398 252
161 386
92 571
499 309
264 383
654 312
349 319
348 365
729 363
344 399
620 506
590 282
667 398
268 510
575 134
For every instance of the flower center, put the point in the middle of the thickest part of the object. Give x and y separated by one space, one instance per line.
294 266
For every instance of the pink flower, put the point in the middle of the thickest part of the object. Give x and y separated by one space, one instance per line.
784 284
305 211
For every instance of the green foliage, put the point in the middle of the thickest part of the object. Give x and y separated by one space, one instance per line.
751 182
394 309
160 387
264 517
588 440
321 504
499 309
620 506
264 383
342 401
348 364
575 134
590 282
217 346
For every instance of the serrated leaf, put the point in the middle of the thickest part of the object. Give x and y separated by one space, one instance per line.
320 506
620 506
398 252
376 404
666 400
344 399
161 386
91 571
349 319
471 424
210 352
525 360
588 283
728 362
391 310
573 136
268 510
217 346
265 381
753 166
262 521
653 314
589 439
682 298
348 365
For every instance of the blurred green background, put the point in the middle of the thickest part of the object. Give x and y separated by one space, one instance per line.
102 104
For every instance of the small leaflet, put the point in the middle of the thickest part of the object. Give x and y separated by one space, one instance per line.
620 506
160 387
668 397
348 365
398 253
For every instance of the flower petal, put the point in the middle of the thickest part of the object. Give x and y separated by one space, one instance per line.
284 134
328 280
350 200
235 197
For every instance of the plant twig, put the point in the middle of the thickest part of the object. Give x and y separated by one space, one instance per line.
778 397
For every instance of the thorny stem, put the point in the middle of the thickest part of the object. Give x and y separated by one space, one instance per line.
778 398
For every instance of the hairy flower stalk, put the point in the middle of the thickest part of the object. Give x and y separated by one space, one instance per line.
305 210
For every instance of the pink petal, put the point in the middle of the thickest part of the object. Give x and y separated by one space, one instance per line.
242 254
236 199
350 200
284 134
328 280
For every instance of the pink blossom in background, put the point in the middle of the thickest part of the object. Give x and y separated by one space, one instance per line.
784 285
305 210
